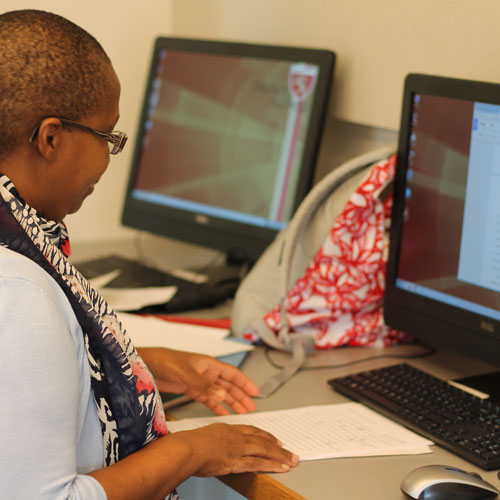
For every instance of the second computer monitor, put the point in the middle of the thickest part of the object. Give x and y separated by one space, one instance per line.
227 141
443 274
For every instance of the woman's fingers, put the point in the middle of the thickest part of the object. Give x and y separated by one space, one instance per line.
256 464
261 443
215 404
221 391
239 391
240 448
237 399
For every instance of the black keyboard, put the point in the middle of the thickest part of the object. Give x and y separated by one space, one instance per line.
133 274
458 421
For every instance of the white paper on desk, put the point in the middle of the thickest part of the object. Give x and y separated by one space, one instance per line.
102 280
147 331
132 299
326 431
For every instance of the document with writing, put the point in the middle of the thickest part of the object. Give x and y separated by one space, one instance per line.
326 431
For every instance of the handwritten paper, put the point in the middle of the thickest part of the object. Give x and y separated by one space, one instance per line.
326 431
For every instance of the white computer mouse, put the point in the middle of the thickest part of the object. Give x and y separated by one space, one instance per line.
442 482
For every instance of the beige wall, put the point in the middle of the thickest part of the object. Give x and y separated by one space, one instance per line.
126 29
377 41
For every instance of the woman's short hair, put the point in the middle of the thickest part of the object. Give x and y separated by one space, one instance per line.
48 66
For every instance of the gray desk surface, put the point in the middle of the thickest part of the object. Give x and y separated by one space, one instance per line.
374 478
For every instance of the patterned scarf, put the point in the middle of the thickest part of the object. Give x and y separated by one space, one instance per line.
127 400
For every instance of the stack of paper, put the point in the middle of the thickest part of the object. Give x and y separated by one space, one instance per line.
148 331
327 431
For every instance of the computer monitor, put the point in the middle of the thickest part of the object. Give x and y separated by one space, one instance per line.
443 272
227 141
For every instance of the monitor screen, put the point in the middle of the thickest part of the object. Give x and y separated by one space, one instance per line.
227 141
443 274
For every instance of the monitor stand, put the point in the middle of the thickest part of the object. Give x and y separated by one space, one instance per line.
488 383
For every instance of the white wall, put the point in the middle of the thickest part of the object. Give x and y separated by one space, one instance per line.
377 41
126 30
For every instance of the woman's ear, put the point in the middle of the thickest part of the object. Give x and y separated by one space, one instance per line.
48 139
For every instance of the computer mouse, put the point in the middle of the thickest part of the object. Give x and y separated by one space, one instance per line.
442 482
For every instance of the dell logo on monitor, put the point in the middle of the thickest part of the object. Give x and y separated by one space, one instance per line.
487 326
201 219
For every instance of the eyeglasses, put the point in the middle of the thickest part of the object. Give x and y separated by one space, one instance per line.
116 140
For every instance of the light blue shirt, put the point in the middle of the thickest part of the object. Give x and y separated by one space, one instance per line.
50 434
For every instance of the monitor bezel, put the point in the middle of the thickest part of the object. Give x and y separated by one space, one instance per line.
244 240
439 324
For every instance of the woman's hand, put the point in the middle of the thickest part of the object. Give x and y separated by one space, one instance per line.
220 449
203 378
213 450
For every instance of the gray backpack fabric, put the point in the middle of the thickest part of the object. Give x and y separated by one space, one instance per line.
293 249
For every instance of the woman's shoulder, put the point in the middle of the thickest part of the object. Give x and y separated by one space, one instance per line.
18 273
33 292
14 265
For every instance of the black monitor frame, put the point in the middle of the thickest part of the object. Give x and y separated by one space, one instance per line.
246 242
433 322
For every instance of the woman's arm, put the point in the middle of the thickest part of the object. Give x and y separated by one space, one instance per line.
153 471
42 397
217 449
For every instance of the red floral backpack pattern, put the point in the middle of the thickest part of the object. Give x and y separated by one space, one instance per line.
339 298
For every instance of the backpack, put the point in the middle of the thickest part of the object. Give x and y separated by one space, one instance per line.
288 270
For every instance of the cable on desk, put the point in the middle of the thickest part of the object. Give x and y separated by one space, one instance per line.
428 352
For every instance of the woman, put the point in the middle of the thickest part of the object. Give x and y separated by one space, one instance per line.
80 412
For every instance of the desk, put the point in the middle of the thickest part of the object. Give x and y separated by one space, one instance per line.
372 478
